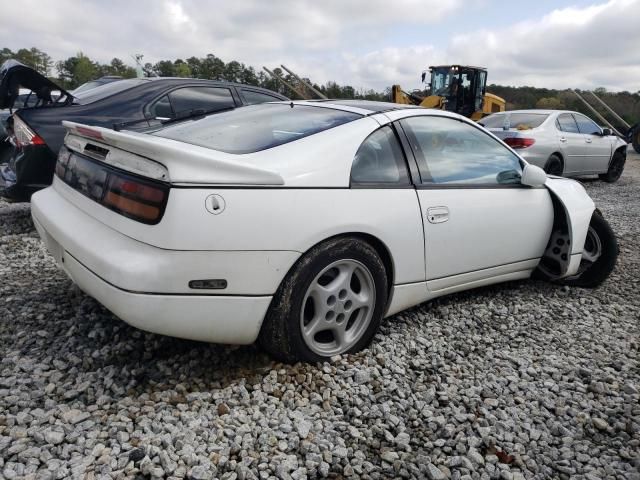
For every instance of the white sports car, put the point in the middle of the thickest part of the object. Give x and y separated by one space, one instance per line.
303 224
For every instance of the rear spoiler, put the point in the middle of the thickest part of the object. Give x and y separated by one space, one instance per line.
187 164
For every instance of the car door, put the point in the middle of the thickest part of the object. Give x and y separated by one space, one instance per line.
597 149
480 223
572 144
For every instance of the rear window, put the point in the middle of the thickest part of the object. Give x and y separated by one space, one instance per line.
257 127
104 91
516 121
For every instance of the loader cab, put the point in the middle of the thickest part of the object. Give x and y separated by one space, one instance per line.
462 88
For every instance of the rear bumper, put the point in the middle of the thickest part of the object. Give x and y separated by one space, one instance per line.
147 287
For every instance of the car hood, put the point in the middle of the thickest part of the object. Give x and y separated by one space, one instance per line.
14 75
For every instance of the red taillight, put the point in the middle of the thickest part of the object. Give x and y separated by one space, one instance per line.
135 198
519 142
24 135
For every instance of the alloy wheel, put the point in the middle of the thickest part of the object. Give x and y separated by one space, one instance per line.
338 307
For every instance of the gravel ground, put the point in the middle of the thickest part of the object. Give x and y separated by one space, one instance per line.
522 380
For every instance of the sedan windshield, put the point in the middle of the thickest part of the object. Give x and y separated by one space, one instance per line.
517 121
257 127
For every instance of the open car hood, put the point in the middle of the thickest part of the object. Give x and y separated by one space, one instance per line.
14 75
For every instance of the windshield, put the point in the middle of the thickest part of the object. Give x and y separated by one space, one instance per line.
104 91
441 80
517 121
257 127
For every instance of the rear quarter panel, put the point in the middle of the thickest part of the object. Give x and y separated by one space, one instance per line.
269 219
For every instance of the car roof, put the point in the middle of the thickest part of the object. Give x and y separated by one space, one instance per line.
206 80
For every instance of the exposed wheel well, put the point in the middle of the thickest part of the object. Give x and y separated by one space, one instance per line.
552 266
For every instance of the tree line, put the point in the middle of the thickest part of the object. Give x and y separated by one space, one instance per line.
77 69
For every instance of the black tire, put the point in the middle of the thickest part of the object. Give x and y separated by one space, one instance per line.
635 139
281 333
616 167
554 165
592 274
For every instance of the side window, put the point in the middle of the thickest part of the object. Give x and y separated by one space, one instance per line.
587 126
252 97
566 123
206 98
380 160
161 108
450 151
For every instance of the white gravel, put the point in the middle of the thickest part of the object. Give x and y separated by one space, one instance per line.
522 380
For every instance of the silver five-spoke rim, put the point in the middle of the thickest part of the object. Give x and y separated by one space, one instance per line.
337 307
590 253
592 246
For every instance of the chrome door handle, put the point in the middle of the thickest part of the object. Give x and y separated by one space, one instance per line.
437 214
562 139
588 140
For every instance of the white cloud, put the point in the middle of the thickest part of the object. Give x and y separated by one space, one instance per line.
572 47
355 42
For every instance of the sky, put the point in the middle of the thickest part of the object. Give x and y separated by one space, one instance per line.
369 44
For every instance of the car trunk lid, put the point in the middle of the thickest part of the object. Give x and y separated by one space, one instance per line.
184 164
14 75
132 173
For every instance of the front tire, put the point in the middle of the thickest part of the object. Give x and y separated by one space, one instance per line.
598 257
616 167
330 303
554 165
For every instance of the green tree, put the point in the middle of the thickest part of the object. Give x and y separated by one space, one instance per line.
164 68
181 69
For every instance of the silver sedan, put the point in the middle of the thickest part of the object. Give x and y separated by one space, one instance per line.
564 143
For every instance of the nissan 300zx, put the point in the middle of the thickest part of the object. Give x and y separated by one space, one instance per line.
302 224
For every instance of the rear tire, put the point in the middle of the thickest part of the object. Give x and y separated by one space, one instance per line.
616 167
635 139
330 303
598 257
554 165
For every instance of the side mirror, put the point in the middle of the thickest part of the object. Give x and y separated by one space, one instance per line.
533 176
606 132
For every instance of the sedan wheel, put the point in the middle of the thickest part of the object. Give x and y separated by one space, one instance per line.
616 167
338 307
554 166
330 303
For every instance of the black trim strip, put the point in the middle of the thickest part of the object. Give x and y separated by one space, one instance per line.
482 269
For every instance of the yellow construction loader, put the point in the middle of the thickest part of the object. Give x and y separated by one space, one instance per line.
455 88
